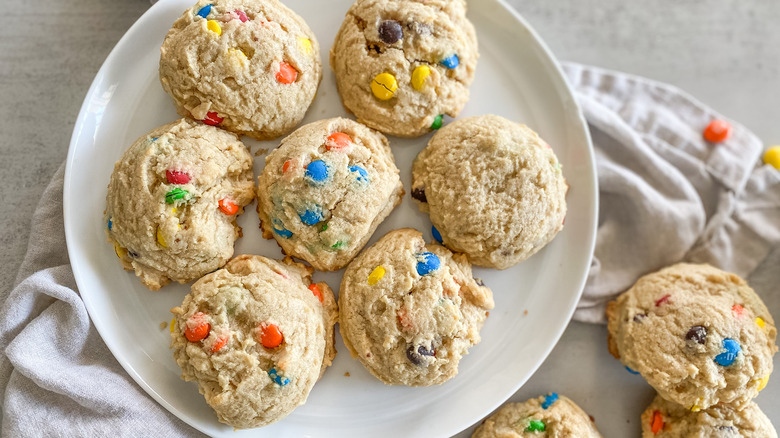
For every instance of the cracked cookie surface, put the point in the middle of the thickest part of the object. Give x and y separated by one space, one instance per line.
664 419
493 188
548 416
698 335
400 65
410 311
250 67
255 336
325 189
173 200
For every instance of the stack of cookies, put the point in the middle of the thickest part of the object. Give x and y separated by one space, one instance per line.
255 334
704 340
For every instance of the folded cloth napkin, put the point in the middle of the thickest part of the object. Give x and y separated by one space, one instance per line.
666 196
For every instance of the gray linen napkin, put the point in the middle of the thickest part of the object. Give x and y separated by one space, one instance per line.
666 196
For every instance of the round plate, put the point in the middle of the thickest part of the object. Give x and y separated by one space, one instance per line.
516 77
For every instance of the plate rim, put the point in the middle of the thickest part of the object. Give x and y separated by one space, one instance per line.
560 82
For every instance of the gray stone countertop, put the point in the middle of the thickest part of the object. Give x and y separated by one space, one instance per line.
726 53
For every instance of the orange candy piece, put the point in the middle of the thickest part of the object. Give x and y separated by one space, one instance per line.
221 342
717 131
316 291
286 166
270 335
338 141
286 74
228 207
737 309
197 327
657 423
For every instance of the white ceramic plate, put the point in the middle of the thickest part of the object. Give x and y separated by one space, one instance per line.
516 78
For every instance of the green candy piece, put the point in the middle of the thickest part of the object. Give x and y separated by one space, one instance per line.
337 245
437 122
324 227
176 194
535 426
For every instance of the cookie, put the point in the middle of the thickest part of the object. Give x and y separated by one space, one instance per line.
173 200
410 311
325 189
249 67
401 65
664 419
255 336
551 415
493 189
698 335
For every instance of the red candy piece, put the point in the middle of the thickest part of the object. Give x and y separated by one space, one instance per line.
737 309
717 131
241 16
212 119
176 177
338 141
270 335
316 291
286 166
662 300
220 342
197 327
286 74
228 207
657 423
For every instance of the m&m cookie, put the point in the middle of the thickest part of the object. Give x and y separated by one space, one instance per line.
664 419
410 311
249 67
173 200
698 335
325 189
493 188
401 66
255 336
550 415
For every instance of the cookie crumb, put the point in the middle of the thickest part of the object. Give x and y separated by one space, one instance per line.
163 325
525 312
261 151
346 374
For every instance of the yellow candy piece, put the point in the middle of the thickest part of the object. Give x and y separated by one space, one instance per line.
384 85
173 321
695 408
760 322
419 75
173 210
238 54
120 252
376 275
214 27
763 382
772 157
304 45
160 239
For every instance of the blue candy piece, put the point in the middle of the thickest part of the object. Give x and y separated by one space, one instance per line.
110 224
427 262
549 400
362 174
279 379
155 138
631 371
317 171
312 215
451 61
281 230
730 355
204 11
436 234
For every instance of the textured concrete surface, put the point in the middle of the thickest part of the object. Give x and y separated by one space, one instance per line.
724 52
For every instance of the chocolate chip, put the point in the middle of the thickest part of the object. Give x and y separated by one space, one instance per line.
133 254
730 429
697 333
390 31
639 317
416 357
419 194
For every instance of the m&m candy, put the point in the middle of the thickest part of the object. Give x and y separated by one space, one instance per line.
228 207
717 131
362 175
311 215
436 234
419 75
338 141
390 31
376 275
212 119
772 157
549 400
427 262
384 86
176 177
317 171
204 11
731 351
214 27
451 61
286 74
437 122
277 377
